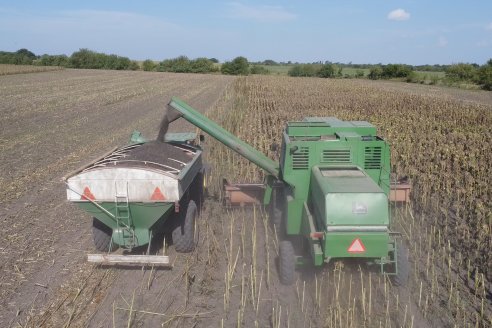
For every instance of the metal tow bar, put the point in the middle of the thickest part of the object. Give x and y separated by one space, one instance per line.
129 259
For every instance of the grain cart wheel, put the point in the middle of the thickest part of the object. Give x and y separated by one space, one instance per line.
287 262
184 232
101 235
401 278
196 191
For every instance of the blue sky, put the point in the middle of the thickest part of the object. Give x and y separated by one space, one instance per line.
370 31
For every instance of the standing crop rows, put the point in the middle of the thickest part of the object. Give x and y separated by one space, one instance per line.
443 146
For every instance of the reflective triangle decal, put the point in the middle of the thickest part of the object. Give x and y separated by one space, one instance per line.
157 195
356 247
87 194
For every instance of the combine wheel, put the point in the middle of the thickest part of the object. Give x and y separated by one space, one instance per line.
184 232
401 278
287 262
276 208
101 235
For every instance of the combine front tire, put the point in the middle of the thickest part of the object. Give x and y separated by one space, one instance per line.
184 232
287 263
276 208
101 235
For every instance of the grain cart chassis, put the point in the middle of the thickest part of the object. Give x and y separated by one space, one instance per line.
137 191
330 190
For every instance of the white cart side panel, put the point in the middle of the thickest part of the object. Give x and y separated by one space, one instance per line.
103 184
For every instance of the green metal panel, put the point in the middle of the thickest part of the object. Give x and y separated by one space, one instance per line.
375 243
306 128
356 209
348 200
309 226
329 142
145 217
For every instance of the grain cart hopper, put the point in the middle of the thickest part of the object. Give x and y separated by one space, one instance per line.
329 192
135 191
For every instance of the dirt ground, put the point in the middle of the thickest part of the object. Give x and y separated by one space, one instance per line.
52 123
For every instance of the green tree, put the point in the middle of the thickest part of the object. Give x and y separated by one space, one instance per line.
339 71
148 65
202 65
485 76
257 69
134 66
56 60
84 58
269 62
359 73
396 71
461 72
238 66
375 73
306 70
327 70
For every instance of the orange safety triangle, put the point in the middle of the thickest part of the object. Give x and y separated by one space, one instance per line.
356 247
157 195
87 194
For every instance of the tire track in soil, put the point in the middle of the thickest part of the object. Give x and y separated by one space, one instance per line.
44 239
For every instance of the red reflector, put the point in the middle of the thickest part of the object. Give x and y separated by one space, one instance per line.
87 194
317 235
157 195
356 247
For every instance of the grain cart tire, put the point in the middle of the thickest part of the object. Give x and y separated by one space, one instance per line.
197 191
401 278
101 234
287 262
184 232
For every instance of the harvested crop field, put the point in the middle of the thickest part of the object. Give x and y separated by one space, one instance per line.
53 122
7 69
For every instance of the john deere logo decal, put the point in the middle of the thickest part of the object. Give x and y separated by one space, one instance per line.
359 208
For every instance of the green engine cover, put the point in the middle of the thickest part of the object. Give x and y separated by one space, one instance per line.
348 197
352 209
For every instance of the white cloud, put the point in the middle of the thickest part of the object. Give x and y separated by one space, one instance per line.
489 27
442 42
261 13
399 15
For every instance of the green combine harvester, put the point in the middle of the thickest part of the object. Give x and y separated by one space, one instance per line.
330 191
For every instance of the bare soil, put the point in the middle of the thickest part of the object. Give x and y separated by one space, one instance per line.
52 123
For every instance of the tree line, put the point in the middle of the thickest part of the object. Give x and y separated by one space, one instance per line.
85 58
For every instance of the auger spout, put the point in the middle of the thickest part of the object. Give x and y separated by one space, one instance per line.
178 108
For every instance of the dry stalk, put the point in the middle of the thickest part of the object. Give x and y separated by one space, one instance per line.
131 311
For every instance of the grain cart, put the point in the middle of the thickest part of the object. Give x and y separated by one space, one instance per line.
135 191
329 193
